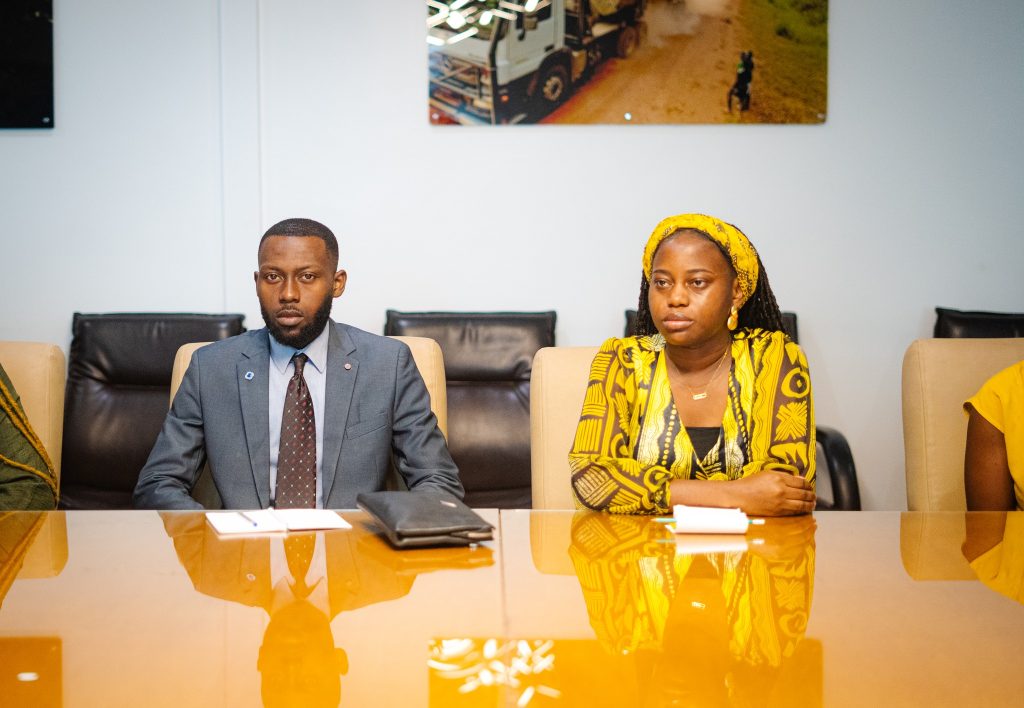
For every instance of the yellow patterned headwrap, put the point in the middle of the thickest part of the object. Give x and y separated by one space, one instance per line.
736 244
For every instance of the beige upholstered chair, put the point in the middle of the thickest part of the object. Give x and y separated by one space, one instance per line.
938 376
425 352
429 360
38 373
181 360
556 397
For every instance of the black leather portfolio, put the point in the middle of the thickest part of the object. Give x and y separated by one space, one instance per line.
418 519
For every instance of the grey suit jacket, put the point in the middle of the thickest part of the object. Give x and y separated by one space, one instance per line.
375 411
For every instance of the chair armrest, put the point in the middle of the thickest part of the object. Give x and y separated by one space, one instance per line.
841 470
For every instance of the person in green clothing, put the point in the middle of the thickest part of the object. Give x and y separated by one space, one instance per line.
27 478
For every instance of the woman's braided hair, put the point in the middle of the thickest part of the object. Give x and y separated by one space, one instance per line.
760 311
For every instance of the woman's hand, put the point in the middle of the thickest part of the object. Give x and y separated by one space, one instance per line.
773 493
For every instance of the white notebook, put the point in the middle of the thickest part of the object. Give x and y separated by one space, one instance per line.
706 519
275 520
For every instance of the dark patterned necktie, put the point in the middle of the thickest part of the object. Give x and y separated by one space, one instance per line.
296 457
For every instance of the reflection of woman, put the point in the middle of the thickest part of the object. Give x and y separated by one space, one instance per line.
709 390
710 628
994 462
27 480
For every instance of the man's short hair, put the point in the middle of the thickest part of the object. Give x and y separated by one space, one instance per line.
308 228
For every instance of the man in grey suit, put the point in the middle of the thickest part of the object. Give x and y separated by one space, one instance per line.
366 399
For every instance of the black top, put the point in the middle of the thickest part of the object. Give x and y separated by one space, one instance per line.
703 439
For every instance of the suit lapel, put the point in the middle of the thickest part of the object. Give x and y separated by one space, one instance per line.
253 370
342 368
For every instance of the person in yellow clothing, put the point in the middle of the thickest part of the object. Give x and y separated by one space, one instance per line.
710 402
994 462
27 477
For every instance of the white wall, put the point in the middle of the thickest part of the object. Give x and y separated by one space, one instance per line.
119 206
183 130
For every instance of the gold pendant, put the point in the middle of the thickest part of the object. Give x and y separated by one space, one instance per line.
699 396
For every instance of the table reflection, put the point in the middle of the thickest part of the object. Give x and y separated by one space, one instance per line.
702 626
994 546
616 610
17 532
980 545
302 581
571 610
32 544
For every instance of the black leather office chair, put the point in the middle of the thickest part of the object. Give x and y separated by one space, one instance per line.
119 377
958 324
840 490
488 358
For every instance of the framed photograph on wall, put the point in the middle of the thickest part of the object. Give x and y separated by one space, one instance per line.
26 64
496 62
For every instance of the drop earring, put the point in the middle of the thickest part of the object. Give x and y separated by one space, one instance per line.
733 320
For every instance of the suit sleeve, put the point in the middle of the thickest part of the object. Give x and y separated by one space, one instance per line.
179 453
420 452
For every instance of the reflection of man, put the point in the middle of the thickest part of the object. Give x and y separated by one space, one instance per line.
298 661
303 413
301 585
303 581
704 628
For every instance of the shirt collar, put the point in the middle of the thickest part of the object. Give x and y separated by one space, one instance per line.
281 354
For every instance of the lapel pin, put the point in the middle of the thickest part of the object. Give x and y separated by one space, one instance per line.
249 375
347 366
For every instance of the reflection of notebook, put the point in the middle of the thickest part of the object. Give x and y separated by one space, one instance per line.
710 543
31 673
275 520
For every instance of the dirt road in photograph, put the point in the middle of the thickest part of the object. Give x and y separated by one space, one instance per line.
681 73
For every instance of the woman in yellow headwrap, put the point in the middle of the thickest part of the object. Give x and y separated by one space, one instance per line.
710 402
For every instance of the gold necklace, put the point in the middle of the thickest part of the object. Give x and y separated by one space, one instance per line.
701 395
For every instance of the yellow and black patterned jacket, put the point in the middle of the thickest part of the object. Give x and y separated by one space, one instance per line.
630 445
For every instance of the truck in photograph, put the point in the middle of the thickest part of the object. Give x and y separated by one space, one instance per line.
498 61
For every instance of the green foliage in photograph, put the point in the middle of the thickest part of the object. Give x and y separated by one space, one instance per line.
790 43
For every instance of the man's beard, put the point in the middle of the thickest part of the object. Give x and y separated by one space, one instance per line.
305 335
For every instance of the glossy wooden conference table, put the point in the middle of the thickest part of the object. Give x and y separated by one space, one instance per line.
843 608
